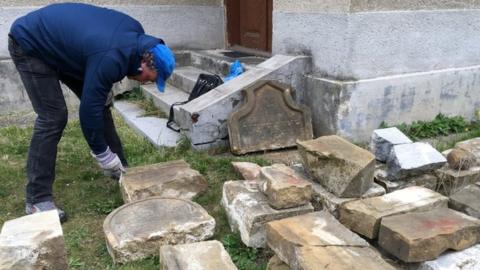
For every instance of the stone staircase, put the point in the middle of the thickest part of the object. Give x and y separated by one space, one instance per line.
204 119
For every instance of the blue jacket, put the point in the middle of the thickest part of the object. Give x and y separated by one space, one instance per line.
97 45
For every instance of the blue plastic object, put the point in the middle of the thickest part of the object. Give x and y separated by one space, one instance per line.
236 69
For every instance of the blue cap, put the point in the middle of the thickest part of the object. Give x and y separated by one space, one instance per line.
164 63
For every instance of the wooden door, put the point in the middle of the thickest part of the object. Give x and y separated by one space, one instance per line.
249 23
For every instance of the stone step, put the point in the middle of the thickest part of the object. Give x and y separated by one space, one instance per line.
422 236
219 61
33 242
164 100
152 128
208 255
364 216
184 78
137 230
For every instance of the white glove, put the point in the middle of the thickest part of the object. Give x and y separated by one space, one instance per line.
110 164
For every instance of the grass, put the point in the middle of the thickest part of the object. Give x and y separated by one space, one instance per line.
137 96
88 196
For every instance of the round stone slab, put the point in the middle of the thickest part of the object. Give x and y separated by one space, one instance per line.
138 229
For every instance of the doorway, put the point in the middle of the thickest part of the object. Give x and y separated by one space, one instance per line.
249 24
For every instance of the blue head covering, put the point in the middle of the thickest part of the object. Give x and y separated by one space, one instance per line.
164 63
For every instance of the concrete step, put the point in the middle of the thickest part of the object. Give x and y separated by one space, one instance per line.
164 100
152 128
219 61
184 78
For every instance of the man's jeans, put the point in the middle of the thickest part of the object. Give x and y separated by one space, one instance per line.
43 88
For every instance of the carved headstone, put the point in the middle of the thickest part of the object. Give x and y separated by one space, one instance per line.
269 119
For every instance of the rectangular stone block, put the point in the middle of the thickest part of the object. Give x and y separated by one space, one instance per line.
467 259
341 167
467 200
248 211
383 141
364 216
248 170
173 179
285 188
317 240
425 180
413 159
422 236
449 180
209 255
33 242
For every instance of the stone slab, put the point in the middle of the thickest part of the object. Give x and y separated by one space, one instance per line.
248 170
467 200
248 211
173 179
383 141
209 255
467 259
315 240
138 229
413 159
425 180
422 236
341 167
276 264
472 146
449 180
364 216
269 119
33 242
285 188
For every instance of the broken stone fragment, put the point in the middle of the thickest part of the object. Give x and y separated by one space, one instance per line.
467 259
472 146
383 141
467 200
276 264
424 180
450 181
209 255
138 229
173 179
248 211
413 159
285 188
460 159
422 236
364 216
248 170
341 167
33 242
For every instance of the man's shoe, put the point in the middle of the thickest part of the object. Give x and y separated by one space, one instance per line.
45 206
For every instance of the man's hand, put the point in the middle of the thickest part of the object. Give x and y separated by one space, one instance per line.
110 163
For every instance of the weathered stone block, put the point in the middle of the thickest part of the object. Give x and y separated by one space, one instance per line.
209 255
269 119
340 166
248 170
383 141
417 237
276 264
472 146
248 211
33 242
413 159
138 229
315 240
460 159
467 200
364 216
425 180
449 181
468 259
174 179
285 188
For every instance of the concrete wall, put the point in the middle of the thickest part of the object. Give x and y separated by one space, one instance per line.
383 60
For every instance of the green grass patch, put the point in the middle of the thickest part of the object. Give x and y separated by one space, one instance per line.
87 196
137 96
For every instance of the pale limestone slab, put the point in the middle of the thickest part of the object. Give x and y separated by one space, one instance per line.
467 259
173 179
383 140
33 242
364 216
248 170
467 200
248 211
422 236
209 255
138 229
340 166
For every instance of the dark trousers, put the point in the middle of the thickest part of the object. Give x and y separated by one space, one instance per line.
43 88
